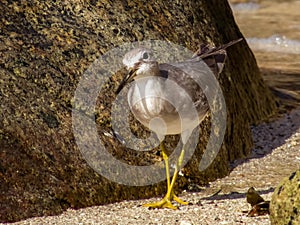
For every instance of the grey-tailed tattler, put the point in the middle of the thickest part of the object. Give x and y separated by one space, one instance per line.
162 98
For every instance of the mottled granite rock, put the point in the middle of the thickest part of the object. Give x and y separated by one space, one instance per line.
45 47
285 203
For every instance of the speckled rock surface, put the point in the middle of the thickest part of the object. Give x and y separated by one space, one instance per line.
285 203
45 46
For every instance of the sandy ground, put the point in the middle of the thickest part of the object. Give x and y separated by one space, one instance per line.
275 155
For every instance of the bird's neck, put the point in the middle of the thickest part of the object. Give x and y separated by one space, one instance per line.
147 70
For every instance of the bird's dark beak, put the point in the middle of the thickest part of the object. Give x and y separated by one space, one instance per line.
128 78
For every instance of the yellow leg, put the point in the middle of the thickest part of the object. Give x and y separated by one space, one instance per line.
166 202
166 159
178 166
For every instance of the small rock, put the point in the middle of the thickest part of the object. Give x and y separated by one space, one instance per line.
285 203
183 222
253 197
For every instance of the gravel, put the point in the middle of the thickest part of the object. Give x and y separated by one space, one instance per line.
275 155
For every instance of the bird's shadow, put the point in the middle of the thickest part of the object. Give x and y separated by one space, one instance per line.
234 195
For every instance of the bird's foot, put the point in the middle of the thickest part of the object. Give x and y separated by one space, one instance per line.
166 202
181 202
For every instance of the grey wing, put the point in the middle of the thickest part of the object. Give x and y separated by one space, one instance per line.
191 80
214 57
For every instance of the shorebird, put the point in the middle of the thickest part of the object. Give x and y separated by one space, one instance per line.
149 100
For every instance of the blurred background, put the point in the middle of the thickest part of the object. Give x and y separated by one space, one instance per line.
272 29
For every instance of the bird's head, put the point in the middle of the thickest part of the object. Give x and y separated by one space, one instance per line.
140 63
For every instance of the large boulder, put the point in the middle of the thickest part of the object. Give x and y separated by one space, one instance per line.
285 202
45 48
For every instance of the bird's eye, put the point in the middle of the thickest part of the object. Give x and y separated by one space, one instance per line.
146 55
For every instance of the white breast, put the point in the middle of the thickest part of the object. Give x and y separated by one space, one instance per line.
146 97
